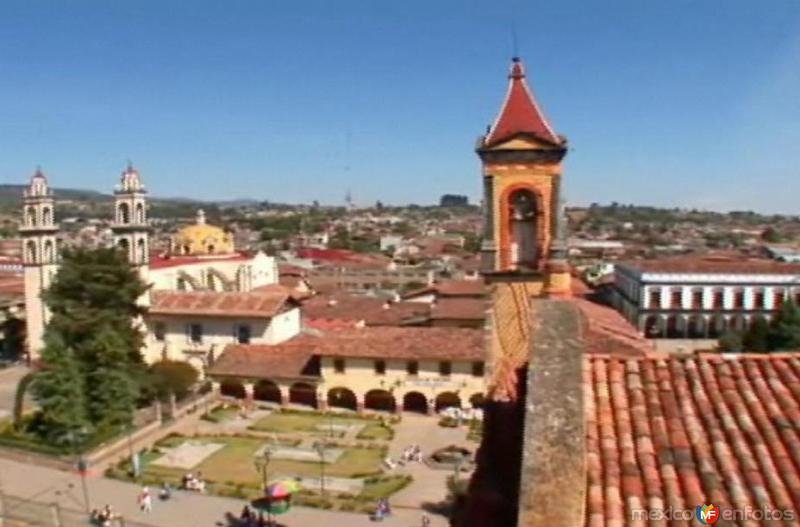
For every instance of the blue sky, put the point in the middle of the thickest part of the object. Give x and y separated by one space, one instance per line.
673 102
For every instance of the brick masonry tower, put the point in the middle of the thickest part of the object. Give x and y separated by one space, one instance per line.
524 230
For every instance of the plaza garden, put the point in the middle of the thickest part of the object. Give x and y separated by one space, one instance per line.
303 446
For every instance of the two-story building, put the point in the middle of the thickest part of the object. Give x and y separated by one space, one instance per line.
696 297
196 326
378 368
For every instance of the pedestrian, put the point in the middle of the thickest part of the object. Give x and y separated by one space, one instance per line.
145 500
426 521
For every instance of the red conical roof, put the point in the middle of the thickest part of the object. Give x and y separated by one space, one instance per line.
520 113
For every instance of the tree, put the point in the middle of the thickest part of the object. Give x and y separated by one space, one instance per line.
95 288
785 334
757 337
92 359
111 386
59 388
731 341
173 377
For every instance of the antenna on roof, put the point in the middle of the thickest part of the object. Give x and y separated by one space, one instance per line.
514 43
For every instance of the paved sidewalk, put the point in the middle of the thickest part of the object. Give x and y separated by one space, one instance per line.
183 510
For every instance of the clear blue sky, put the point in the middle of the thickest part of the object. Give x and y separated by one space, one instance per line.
673 102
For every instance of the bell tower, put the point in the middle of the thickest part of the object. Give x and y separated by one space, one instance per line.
130 226
39 256
523 230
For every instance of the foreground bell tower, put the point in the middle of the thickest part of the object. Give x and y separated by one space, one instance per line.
524 227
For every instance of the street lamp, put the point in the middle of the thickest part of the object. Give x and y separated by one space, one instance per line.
262 464
72 438
320 448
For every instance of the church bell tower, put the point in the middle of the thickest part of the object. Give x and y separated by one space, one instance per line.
130 227
524 230
39 256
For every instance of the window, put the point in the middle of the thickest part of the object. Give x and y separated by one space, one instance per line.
778 298
655 299
697 299
718 299
676 300
380 367
478 369
445 368
738 299
758 299
196 333
338 365
243 334
412 367
160 331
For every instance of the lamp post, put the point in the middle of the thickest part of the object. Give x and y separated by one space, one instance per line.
320 448
73 437
262 464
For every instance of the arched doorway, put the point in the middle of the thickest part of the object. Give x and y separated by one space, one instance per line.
340 397
447 400
379 400
415 402
672 327
696 327
717 326
651 326
232 388
303 393
477 400
266 390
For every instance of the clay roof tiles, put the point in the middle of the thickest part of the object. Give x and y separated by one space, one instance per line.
218 304
520 113
667 431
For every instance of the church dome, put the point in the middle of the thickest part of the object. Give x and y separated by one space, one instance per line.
202 239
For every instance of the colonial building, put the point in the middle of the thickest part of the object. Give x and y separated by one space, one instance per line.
696 297
388 368
203 293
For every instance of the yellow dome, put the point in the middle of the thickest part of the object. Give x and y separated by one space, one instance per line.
202 239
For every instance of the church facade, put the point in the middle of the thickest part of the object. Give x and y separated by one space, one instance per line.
203 294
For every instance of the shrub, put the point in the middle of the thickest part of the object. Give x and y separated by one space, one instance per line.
170 376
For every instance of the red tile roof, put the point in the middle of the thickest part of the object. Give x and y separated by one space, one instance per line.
679 432
262 362
420 343
373 311
459 309
520 113
207 303
713 265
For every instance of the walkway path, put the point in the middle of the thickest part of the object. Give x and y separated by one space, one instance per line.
184 510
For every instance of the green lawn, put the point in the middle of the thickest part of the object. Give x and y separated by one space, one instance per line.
221 414
308 423
234 463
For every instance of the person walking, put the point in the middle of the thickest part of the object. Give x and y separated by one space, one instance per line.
426 521
145 500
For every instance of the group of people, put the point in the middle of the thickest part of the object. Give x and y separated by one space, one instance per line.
251 518
383 509
103 517
410 454
194 482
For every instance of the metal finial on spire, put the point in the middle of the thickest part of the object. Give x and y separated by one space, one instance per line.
514 43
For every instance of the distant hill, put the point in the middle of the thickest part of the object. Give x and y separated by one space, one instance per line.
10 195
